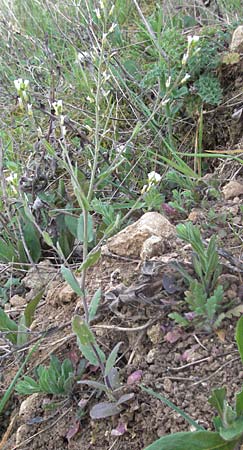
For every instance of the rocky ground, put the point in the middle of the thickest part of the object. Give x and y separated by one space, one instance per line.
139 288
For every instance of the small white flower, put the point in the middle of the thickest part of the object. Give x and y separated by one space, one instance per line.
90 99
167 83
144 189
106 76
18 83
186 77
20 101
112 28
185 58
154 177
29 110
39 132
97 12
82 56
111 10
102 5
192 40
165 101
25 96
57 106
26 84
62 119
63 131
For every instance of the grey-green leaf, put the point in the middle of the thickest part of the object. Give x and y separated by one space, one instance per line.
198 440
239 336
70 278
112 359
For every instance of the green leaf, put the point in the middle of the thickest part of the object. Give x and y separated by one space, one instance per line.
91 259
82 330
94 304
22 335
47 238
239 403
72 224
70 278
31 307
7 324
27 386
95 384
198 440
239 336
179 319
7 252
110 363
32 240
218 400
80 228
235 431
86 342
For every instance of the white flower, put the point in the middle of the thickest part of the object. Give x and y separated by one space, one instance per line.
185 58
154 177
25 96
145 189
112 28
106 76
192 40
63 131
20 101
57 106
18 83
26 84
97 12
90 99
29 110
111 10
82 56
186 77
102 5
167 83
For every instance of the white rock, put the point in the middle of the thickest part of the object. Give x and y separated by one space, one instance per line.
232 189
237 40
17 301
129 242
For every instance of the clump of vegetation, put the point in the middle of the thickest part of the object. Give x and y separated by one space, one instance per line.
204 297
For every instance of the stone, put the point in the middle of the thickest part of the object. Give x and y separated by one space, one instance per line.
29 405
232 189
131 241
155 334
60 293
17 301
38 278
237 40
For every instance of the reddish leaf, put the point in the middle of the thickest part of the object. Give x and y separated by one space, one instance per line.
119 430
173 335
135 377
73 430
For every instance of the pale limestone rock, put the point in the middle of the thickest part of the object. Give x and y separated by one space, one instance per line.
130 241
37 278
60 293
21 434
29 405
153 246
232 189
17 301
155 334
237 40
